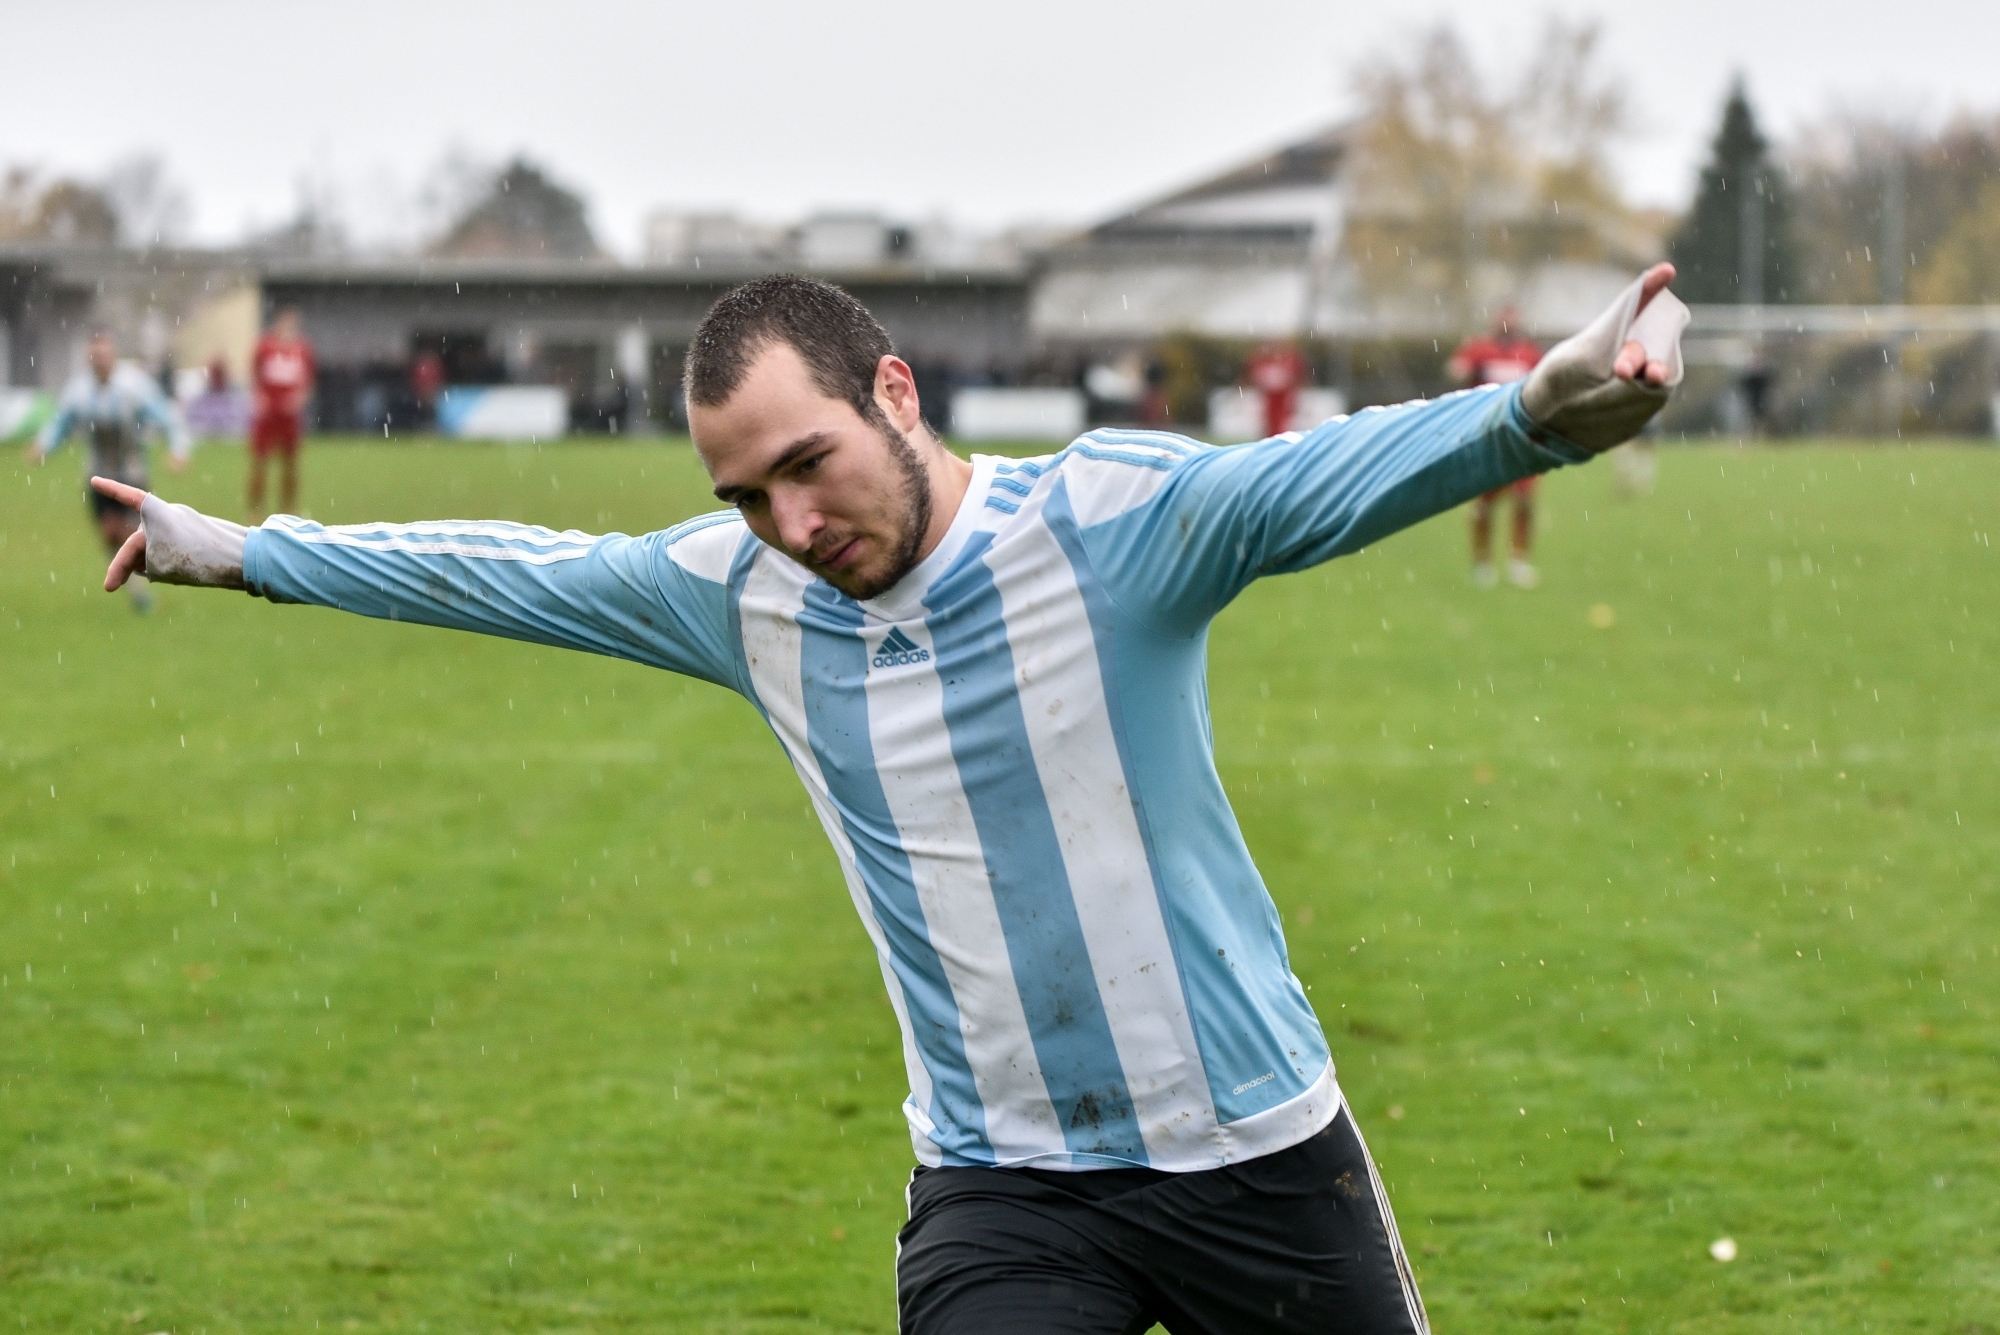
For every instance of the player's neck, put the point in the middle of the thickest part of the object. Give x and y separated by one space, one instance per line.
950 478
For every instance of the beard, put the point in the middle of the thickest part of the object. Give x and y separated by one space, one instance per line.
915 519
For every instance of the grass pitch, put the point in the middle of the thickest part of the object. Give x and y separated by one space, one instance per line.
367 977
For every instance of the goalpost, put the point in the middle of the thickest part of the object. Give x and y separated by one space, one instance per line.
1841 370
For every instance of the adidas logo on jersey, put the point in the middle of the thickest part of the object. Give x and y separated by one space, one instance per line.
898 650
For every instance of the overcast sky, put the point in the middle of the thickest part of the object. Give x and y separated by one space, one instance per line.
1035 109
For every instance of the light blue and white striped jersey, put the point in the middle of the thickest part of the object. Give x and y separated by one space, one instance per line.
114 414
1010 750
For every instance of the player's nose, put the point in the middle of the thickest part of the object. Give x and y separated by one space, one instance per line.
798 523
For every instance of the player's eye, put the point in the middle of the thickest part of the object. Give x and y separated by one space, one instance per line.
807 467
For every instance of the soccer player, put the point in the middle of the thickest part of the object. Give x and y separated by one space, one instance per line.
114 403
1500 357
989 676
282 372
1277 371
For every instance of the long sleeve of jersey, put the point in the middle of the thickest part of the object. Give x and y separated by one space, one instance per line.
1221 518
72 406
56 430
657 599
156 408
130 393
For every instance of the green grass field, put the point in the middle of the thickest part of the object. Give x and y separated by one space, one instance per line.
367 977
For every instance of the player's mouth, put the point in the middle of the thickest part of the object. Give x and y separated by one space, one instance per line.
840 557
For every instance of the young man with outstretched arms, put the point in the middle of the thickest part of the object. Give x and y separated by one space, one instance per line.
989 675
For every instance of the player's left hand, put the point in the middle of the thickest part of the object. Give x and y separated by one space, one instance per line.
130 559
1598 388
175 544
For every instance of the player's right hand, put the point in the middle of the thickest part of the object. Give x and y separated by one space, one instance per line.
1599 387
131 558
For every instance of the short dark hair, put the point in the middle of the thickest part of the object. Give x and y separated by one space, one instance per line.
834 335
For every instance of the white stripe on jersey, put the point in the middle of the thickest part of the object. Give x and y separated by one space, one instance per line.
1061 684
476 550
948 865
707 546
1104 480
773 595
532 534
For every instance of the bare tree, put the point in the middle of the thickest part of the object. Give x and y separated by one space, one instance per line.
63 210
151 207
317 228
1463 180
20 198
1889 210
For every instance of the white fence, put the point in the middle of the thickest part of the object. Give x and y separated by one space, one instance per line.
1236 414
503 412
1017 414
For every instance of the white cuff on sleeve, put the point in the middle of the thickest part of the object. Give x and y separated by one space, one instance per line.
1575 393
185 546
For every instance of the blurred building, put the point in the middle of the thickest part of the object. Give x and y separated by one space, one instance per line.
1143 317
168 307
1282 246
612 337
678 239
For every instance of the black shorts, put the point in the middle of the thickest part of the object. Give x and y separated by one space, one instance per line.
1300 1240
102 505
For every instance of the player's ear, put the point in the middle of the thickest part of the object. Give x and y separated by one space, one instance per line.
896 392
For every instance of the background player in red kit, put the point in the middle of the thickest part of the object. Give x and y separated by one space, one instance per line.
1277 371
1499 357
281 377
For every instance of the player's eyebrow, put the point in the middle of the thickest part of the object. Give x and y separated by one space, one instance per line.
812 441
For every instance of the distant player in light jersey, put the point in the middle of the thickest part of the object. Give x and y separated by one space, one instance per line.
990 677
1500 357
282 372
114 404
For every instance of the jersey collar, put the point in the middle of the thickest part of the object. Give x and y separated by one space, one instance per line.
904 599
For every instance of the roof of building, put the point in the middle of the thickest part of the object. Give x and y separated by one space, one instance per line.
1279 196
605 273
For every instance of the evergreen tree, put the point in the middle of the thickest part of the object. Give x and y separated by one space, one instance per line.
1735 243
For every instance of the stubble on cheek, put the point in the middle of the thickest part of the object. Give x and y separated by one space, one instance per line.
888 546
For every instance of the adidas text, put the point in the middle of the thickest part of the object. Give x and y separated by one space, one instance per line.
899 650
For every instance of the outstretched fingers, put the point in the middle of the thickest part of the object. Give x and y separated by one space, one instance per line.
130 561
122 492
1653 282
1634 364
131 557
